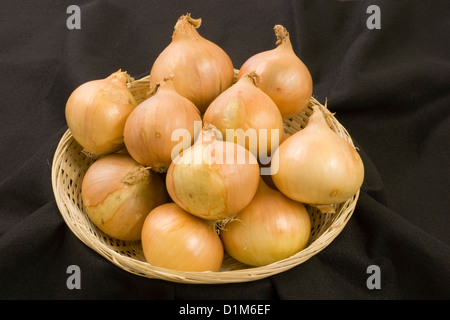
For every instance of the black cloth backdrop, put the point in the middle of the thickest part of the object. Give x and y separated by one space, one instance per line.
389 87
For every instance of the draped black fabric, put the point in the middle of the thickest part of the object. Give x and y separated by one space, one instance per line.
388 86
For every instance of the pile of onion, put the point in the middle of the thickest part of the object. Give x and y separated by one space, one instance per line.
190 201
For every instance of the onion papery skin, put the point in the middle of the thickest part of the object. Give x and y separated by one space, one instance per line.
316 166
118 194
202 69
271 228
149 128
213 180
96 113
249 115
283 76
174 239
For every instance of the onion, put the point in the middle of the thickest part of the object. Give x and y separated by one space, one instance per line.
213 179
283 76
174 239
148 130
243 110
271 228
317 166
96 113
118 194
202 69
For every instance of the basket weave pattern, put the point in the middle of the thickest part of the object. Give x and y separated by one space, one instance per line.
70 165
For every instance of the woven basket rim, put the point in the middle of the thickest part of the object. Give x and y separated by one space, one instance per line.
142 268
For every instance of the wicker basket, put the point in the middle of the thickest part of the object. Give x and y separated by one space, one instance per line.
70 165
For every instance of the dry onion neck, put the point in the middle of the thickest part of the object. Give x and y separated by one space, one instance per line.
253 76
219 225
319 116
139 175
282 34
210 133
121 76
155 89
186 25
